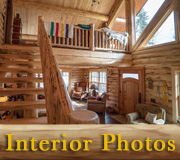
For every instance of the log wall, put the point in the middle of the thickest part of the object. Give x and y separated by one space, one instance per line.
77 76
113 88
158 62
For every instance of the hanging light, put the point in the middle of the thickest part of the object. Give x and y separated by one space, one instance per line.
95 1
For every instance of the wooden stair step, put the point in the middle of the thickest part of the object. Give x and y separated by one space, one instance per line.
22 105
20 79
20 70
26 63
40 120
20 56
16 91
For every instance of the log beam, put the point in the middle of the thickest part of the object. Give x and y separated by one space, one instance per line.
61 10
177 19
130 22
115 11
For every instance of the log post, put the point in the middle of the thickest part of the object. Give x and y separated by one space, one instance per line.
91 37
130 22
177 19
34 112
9 23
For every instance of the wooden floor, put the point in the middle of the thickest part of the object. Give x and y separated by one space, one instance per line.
43 120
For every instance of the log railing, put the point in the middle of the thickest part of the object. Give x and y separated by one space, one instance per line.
102 42
80 39
58 103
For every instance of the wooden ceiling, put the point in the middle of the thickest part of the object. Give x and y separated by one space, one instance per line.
29 11
69 12
103 7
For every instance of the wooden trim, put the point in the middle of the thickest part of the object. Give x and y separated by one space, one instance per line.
114 13
61 10
141 72
155 24
156 47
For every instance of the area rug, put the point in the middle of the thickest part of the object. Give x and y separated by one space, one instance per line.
121 119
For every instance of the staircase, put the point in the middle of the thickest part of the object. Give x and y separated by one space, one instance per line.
28 65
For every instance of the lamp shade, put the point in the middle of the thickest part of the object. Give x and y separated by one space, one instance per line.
93 86
3 99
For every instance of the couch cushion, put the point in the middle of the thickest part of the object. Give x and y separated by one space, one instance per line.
139 121
79 89
151 118
77 94
143 109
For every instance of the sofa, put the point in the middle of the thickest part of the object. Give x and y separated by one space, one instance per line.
98 106
138 117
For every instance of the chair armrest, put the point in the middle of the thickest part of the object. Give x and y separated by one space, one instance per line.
132 116
95 102
159 121
91 98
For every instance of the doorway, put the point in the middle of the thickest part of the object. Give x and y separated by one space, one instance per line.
131 89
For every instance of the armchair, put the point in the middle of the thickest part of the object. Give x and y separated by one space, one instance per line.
97 106
138 117
79 92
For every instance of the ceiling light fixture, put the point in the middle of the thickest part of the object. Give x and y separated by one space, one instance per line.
95 1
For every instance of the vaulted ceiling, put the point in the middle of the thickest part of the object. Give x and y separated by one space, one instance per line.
70 12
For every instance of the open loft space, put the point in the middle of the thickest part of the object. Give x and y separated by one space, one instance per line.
89 61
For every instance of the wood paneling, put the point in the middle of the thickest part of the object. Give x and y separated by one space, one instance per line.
158 62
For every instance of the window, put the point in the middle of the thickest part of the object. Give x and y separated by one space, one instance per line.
176 94
146 14
129 75
65 76
99 79
40 84
165 34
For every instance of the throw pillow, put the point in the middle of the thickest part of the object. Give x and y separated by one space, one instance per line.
79 89
98 98
151 118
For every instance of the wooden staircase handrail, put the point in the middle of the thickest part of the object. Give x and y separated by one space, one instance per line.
58 102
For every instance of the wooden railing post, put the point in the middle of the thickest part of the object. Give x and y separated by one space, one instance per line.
91 37
58 102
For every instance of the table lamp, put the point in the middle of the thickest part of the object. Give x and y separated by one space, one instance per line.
94 87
